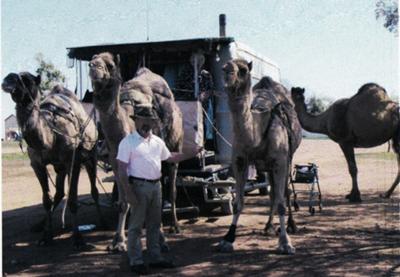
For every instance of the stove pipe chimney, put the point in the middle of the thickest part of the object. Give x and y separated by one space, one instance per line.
222 24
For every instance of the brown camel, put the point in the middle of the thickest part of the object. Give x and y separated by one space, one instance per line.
58 132
266 133
367 119
116 106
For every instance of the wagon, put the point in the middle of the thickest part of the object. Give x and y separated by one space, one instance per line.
205 181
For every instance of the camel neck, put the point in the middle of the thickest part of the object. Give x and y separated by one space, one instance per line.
242 119
33 126
309 122
106 96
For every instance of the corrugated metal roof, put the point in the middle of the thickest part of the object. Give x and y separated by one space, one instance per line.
86 52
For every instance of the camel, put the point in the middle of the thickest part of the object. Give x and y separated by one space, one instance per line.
58 132
367 119
266 133
115 103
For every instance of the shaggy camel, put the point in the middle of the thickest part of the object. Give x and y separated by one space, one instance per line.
367 119
116 106
267 133
58 132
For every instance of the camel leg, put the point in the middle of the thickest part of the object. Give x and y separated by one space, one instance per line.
291 224
40 172
119 241
396 148
73 204
173 170
91 169
348 152
59 195
280 177
269 229
240 169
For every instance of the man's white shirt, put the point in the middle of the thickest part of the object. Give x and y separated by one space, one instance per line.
143 155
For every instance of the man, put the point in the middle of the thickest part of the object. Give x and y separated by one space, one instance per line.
185 83
139 171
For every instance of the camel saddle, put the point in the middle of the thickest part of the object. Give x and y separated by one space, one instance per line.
62 108
268 103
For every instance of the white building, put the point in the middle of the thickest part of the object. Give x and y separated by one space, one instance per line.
11 127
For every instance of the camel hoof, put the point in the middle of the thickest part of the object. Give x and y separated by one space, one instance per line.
354 197
38 227
291 229
269 231
174 230
385 195
225 246
78 242
45 241
164 247
286 249
118 247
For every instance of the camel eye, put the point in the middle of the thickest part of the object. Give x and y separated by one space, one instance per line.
242 71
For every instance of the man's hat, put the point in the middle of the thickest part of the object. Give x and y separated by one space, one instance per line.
145 111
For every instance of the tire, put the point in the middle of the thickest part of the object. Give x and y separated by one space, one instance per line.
227 208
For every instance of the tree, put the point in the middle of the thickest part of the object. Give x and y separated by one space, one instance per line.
389 11
49 74
317 105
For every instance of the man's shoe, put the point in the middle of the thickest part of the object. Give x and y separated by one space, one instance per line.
163 264
140 269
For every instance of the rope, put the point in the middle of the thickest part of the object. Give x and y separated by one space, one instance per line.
215 128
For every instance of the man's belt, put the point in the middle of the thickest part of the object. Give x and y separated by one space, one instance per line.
133 178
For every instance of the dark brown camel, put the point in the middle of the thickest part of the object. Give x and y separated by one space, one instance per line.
58 132
267 133
367 119
116 106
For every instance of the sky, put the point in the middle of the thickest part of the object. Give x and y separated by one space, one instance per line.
330 47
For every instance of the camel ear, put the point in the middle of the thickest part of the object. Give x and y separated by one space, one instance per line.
117 60
38 79
250 65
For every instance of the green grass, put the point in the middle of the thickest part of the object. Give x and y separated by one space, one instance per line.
14 156
377 156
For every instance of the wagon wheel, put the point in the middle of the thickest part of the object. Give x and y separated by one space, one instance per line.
227 208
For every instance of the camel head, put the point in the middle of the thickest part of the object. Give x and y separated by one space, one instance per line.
104 67
237 76
23 87
298 95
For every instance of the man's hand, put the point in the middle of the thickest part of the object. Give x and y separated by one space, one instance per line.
131 196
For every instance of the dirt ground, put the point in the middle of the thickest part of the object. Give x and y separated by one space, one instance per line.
342 240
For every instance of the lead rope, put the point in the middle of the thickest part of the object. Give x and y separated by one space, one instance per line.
215 128
69 187
80 135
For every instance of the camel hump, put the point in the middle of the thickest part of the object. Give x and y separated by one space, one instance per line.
265 82
142 71
156 82
372 93
370 86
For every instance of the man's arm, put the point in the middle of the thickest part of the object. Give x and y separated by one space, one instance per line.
124 181
177 157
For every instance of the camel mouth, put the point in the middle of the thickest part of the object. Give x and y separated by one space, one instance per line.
9 88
